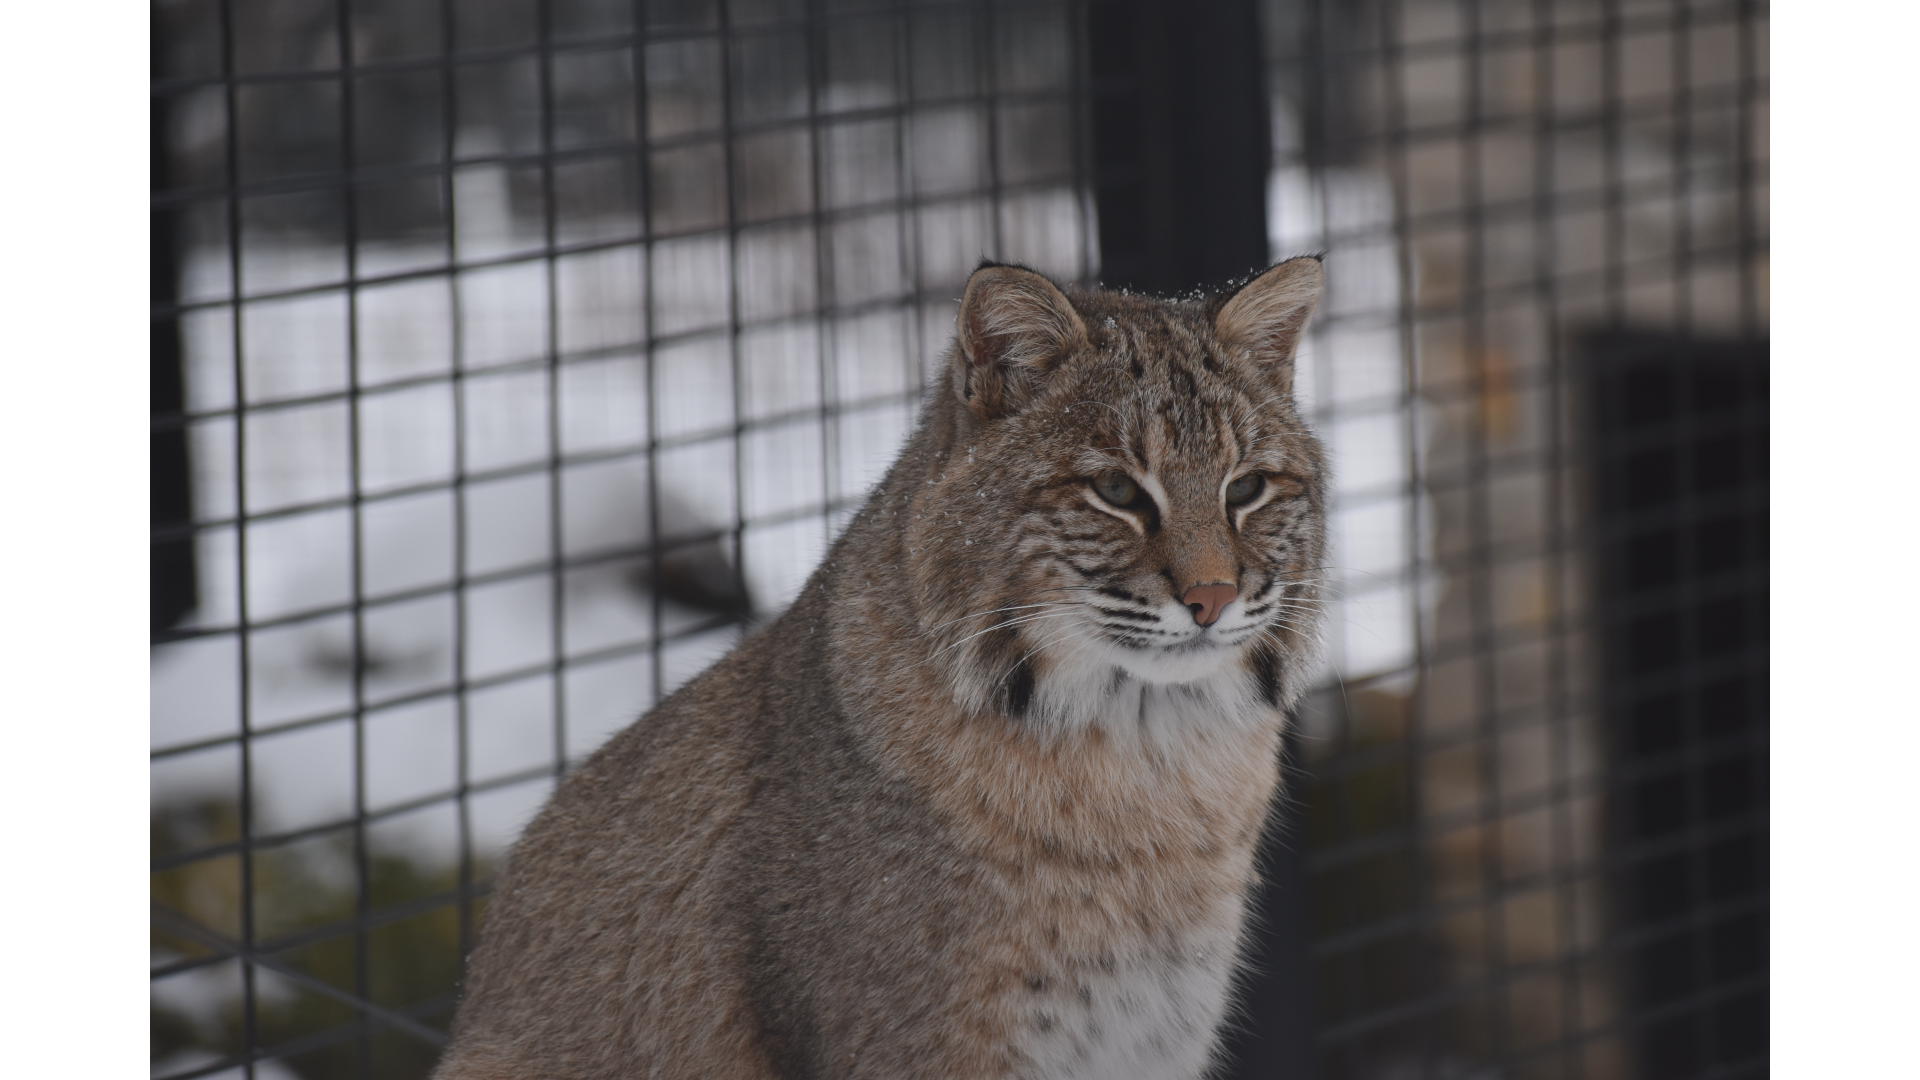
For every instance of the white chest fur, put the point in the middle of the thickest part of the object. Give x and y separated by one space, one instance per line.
1152 1015
1134 999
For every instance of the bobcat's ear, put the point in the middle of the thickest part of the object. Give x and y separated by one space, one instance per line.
1014 325
1261 324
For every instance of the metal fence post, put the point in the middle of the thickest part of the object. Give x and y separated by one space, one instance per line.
1181 152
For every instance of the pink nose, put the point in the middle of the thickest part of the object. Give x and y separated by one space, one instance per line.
1207 600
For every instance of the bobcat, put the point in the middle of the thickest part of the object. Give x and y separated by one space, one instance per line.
984 801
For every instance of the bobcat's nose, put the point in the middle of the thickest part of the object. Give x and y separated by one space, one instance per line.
1207 600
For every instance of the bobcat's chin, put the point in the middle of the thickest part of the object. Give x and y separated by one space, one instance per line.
1202 656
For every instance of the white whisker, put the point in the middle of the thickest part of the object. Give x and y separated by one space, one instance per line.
998 611
1003 626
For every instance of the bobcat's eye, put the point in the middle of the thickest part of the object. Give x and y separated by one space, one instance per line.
1245 488
1117 488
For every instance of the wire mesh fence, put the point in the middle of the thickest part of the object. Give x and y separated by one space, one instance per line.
1534 799
510 356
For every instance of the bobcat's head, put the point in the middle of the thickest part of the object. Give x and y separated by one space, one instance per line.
1122 518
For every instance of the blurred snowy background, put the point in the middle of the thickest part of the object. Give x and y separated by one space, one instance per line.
444 489
433 468
448 477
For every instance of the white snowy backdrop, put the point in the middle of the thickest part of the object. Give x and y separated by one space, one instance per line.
825 403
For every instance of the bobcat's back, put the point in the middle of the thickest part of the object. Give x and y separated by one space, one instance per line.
984 801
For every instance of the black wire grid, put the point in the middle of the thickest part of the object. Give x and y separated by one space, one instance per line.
510 356
1536 847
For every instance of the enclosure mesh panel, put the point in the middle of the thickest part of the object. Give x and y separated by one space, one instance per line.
510 356
1537 175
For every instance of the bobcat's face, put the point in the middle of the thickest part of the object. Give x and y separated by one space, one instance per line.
1132 524
1195 530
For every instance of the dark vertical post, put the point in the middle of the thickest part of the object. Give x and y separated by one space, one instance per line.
1181 150
1180 142
175 586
